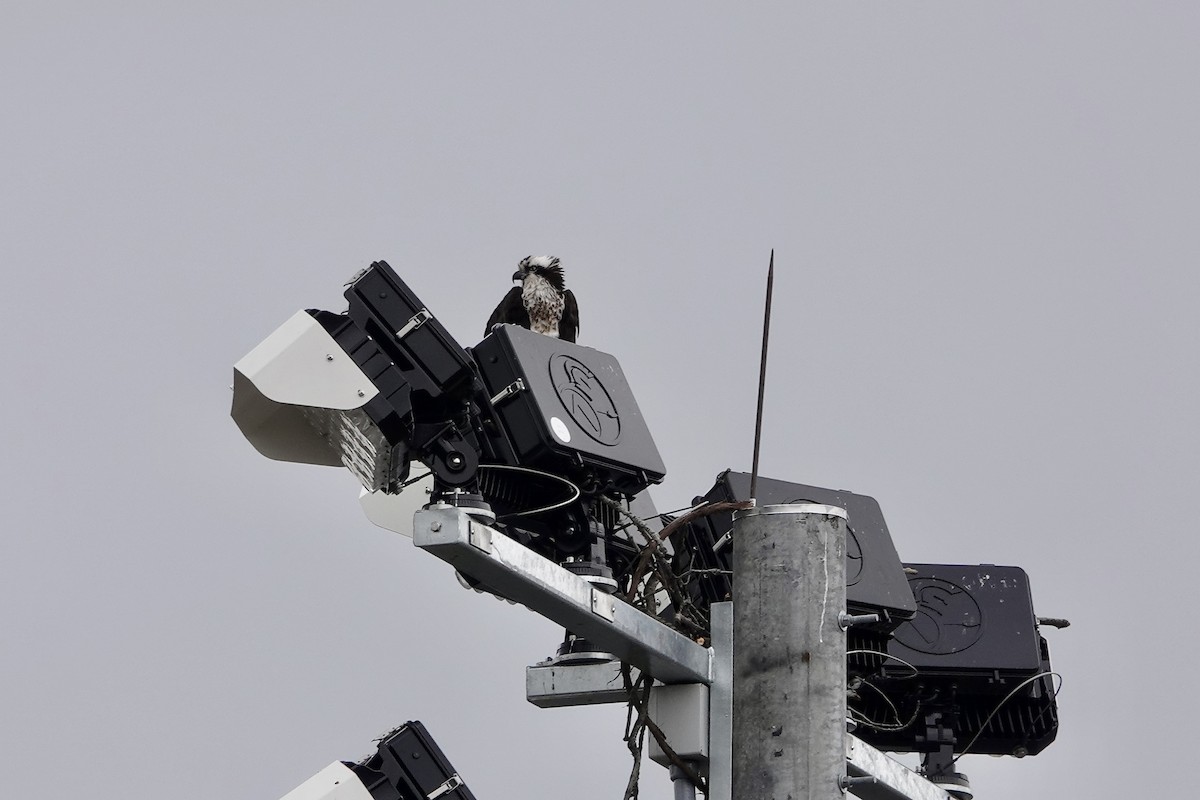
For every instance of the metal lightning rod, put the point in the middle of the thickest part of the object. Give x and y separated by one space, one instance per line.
762 379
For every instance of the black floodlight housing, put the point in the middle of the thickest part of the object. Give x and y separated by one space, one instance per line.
564 410
544 434
567 409
969 672
407 765
875 579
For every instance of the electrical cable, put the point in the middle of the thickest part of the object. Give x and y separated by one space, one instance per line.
639 524
861 719
886 699
411 481
678 511
1000 705
882 726
915 671
660 517
635 522
574 489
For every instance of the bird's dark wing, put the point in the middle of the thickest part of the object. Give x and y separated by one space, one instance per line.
568 326
511 310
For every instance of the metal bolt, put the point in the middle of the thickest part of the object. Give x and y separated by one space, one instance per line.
361 393
847 620
329 357
435 526
845 781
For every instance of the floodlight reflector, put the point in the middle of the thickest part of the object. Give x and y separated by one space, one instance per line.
352 388
298 396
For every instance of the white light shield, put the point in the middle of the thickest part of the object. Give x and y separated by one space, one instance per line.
394 512
298 397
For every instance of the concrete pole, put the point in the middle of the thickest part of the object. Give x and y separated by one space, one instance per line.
789 652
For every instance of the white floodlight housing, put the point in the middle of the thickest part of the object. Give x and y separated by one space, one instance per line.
335 782
299 397
370 388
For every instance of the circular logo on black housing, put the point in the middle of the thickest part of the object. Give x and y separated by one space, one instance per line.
948 619
585 399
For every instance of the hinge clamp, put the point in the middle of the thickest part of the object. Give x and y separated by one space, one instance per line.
452 783
508 391
418 319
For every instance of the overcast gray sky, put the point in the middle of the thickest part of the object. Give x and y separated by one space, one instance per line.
984 217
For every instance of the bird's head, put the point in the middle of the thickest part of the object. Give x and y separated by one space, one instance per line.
547 267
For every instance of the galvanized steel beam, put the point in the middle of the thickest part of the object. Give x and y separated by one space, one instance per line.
517 573
893 780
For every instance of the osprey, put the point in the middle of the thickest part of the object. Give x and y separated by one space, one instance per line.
540 303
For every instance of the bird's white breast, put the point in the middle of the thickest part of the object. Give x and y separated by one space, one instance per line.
544 304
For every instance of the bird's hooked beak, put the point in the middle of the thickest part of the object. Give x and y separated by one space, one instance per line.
519 276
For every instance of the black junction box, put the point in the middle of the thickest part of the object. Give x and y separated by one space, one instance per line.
875 579
971 621
567 409
973 658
